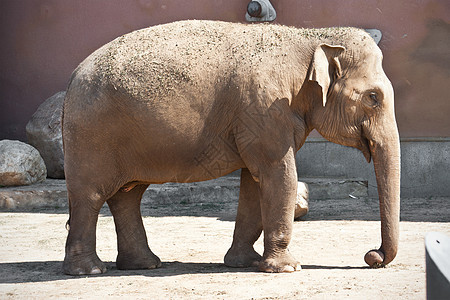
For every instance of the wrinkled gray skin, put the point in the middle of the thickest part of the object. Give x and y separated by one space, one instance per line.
195 100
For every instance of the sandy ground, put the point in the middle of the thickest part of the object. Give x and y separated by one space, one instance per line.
191 240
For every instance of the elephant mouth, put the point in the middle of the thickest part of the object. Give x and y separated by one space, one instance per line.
365 147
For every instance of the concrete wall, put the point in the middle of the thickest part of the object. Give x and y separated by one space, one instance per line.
42 41
425 165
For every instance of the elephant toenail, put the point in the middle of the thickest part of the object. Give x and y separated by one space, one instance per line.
96 270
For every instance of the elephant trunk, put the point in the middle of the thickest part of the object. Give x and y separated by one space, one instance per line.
385 151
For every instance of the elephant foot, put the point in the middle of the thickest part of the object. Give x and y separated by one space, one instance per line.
242 258
138 262
89 265
284 263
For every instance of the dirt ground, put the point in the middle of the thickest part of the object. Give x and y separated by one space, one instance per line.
191 240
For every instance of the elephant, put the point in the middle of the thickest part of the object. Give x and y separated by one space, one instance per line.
195 100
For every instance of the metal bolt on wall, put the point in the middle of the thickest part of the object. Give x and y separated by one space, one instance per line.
260 11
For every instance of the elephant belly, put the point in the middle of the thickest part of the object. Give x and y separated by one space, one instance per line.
181 158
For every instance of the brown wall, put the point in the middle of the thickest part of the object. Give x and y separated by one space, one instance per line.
41 42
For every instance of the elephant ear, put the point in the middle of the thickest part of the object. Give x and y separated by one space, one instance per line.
325 67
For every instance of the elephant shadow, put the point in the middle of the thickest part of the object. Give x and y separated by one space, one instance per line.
47 271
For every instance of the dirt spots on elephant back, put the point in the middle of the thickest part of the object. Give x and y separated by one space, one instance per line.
131 64
161 60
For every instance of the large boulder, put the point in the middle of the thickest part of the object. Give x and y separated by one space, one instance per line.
44 133
20 164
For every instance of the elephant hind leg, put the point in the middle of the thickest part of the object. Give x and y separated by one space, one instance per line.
133 249
81 257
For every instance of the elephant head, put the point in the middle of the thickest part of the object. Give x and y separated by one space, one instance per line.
349 100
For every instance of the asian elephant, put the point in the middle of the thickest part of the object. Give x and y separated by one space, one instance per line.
195 100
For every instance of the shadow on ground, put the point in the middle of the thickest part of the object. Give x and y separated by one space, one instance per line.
44 271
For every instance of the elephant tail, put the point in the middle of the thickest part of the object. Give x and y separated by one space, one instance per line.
68 221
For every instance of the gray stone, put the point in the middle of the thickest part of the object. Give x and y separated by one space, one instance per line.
50 194
336 188
20 164
223 189
44 133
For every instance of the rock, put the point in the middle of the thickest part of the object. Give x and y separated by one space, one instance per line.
44 133
20 164
301 203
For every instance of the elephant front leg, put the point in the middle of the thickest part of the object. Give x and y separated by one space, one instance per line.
278 194
248 225
133 250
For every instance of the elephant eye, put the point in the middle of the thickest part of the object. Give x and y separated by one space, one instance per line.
373 96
